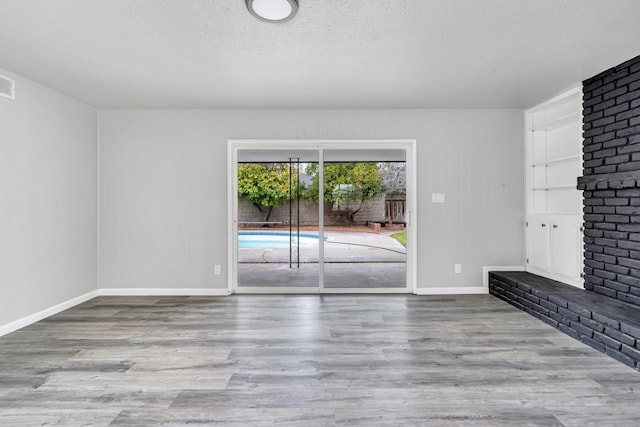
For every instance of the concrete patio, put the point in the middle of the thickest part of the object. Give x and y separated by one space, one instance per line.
352 260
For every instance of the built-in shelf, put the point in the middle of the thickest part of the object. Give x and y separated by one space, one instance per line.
554 240
567 159
555 187
567 119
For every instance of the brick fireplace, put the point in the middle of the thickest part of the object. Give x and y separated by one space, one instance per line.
611 182
606 315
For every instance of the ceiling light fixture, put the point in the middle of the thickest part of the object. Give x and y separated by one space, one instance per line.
272 10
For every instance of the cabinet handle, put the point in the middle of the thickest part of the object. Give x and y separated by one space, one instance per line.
555 225
543 225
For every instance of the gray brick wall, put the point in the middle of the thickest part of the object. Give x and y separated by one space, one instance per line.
308 212
611 182
372 210
612 120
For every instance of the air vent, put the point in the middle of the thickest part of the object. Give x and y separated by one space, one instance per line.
7 87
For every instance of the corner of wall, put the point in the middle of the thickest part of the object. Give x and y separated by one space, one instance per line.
98 196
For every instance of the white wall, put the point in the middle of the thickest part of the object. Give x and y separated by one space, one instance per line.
163 188
48 172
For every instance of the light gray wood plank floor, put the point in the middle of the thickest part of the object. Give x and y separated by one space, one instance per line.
307 360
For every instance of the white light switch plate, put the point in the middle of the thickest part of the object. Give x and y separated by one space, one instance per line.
437 198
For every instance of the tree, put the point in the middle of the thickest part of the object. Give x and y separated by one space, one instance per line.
393 177
347 185
266 185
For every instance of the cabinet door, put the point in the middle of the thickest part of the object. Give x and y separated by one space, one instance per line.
538 243
566 247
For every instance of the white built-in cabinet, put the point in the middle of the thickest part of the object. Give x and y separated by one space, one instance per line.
553 204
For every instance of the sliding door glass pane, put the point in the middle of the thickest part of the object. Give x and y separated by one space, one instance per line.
278 244
364 206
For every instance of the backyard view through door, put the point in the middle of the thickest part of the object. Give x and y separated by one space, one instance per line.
314 220
364 212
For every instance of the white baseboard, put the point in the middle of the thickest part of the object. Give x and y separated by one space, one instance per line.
27 320
122 292
43 314
36 317
469 290
463 290
486 270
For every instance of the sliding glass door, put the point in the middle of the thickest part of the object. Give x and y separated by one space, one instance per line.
328 217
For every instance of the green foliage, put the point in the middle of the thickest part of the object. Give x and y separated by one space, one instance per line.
346 185
265 184
401 237
345 181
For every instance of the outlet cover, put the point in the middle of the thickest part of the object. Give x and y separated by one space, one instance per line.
217 269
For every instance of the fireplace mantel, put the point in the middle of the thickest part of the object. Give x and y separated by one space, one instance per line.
627 179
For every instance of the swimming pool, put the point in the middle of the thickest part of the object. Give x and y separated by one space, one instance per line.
271 239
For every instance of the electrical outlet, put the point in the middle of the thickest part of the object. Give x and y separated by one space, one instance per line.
458 268
217 269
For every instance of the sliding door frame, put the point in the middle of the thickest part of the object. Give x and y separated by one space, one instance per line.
233 146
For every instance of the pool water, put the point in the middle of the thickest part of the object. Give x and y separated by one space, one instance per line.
271 239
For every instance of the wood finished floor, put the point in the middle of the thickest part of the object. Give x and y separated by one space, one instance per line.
308 361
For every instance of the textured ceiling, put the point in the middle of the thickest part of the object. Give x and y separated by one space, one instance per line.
333 54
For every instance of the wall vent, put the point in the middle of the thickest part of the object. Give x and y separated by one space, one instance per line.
7 87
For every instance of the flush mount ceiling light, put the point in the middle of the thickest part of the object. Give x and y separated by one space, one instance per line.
272 10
